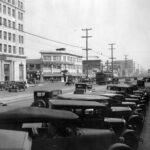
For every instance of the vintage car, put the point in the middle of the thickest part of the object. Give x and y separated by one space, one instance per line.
17 86
91 114
41 97
54 129
94 115
122 88
2 85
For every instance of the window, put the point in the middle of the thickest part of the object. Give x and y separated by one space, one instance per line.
0 47
64 58
13 13
14 38
21 39
5 22
5 48
9 11
0 7
21 16
13 2
14 25
0 34
21 51
9 48
9 36
21 5
14 49
9 23
4 9
0 21
5 35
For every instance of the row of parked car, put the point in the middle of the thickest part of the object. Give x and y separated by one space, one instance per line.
100 120
13 86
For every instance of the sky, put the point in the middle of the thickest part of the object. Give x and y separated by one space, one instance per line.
123 22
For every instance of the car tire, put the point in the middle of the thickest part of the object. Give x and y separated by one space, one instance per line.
40 103
131 138
120 146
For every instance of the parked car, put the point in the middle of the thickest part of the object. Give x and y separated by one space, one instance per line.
2 85
96 115
17 86
53 129
41 97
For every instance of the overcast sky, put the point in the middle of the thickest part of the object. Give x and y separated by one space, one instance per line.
124 22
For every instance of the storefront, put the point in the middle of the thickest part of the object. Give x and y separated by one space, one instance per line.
12 68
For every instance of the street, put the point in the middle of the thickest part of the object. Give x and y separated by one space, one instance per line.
25 98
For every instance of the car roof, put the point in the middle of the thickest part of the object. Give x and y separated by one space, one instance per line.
33 114
111 94
108 119
120 109
75 103
83 97
16 140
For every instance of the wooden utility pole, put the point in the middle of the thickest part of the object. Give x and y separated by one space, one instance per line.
125 58
112 57
107 63
86 48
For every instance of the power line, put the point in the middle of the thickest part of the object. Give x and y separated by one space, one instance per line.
44 38
48 39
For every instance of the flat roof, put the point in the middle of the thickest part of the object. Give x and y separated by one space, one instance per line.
33 114
83 97
76 103
61 53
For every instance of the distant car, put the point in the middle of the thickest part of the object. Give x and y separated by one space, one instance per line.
42 97
81 88
17 86
2 85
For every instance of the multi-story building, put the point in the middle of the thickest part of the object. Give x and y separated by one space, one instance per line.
124 68
59 64
91 66
12 57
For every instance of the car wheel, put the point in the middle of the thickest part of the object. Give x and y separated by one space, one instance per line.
40 103
120 146
131 138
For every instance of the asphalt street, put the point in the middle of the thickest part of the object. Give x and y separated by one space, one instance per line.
25 98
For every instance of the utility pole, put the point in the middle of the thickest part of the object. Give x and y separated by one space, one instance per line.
125 57
107 63
112 57
86 48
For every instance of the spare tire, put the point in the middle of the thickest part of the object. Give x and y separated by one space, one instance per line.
120 146
40 103
130 138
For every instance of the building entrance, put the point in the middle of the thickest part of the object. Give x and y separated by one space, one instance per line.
7 72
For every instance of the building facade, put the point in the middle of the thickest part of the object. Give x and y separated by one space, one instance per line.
124 68
12 57
91 66
33 68
60 65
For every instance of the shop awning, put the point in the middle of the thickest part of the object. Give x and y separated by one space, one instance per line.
47 74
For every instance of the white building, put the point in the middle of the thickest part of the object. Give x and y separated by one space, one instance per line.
12 57
54 63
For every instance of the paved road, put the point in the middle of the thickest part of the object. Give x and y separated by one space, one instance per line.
26 98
